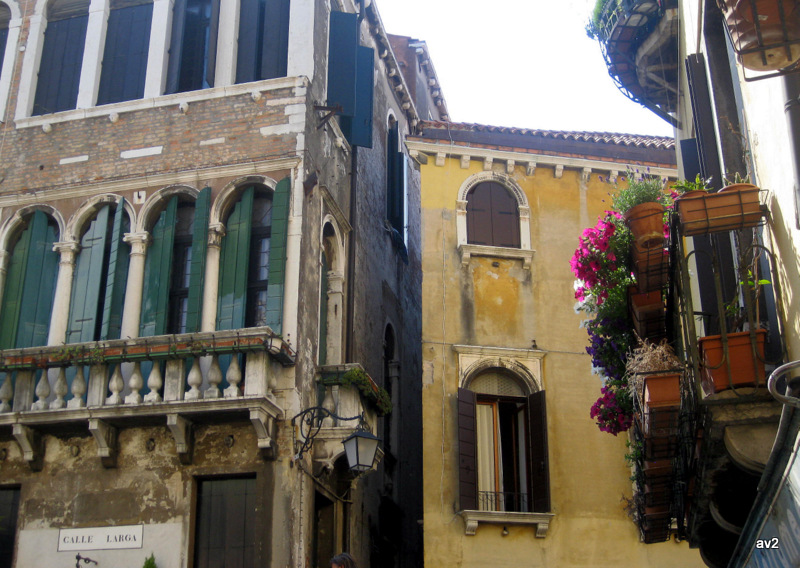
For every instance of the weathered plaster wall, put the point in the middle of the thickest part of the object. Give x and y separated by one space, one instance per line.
496 302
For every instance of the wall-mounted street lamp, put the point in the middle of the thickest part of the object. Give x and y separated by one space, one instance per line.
360 447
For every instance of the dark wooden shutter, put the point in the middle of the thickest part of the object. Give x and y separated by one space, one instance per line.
275 43
226 523
3 42
60 65
197 273
342 57
116 276
87 281
234 262
157 267
479 216
277 254
395 172
176 45
492 216
467 450
40 283
505 217
9 512
125 54
703 113
247 55
539 466
358 128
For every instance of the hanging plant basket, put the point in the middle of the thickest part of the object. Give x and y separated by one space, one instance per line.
647 312
765 33
646 222
651 268
731 208
744 369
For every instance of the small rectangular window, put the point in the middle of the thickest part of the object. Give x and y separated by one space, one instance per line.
193 49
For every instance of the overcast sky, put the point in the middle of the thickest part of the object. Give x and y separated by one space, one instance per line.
523 63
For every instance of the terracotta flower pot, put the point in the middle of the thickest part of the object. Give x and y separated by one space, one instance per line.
771 51
744 370
733 207
646 222
662 390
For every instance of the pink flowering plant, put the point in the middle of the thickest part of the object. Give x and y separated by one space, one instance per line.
601 260
613 411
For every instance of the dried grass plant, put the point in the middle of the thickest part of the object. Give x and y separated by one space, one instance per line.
647 359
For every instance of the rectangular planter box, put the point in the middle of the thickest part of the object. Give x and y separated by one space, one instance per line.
744 370
729 209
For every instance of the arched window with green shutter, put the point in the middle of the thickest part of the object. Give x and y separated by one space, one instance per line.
100 278
30 284
253 259
175 267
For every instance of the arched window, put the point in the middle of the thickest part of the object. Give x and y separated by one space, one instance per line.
100 278
125 54
492 216
263 40
193 47
30 284
502 433
62 56
175 267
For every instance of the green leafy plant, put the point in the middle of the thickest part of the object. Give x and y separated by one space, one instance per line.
684 185
150 562
642 188
359 379
737 178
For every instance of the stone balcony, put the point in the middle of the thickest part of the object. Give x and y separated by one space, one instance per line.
172 380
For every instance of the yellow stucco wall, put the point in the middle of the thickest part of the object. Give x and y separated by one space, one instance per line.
496 302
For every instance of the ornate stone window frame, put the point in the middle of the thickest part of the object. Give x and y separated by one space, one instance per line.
466 250
526 364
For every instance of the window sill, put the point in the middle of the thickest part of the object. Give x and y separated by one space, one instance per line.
161 101
473 518
467 251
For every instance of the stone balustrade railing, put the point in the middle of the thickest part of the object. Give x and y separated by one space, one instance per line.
116 383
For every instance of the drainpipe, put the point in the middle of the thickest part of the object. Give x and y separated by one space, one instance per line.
791 86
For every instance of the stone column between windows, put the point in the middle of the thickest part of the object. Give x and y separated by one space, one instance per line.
524 227
334 333
461 222
59 319
30 66
132 311
93 53
158 51
211 283
225 70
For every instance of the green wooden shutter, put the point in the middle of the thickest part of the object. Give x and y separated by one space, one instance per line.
277 254
197 273
467 450
538 464
155 295
358 129
12 296
87 280
342 49
40 283
233 268
116 276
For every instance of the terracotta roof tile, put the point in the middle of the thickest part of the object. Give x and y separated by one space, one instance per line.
639 140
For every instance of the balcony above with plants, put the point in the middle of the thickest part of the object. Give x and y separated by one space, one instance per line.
171 380
639 42
684 334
